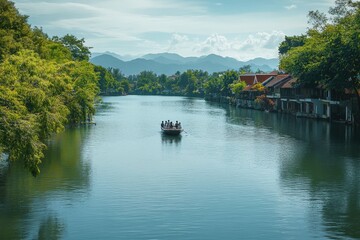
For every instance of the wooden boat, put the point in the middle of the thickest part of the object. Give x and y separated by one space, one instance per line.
171 131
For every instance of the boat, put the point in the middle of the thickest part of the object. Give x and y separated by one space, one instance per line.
169 128
171 131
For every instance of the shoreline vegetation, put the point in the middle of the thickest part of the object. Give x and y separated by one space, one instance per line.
48 83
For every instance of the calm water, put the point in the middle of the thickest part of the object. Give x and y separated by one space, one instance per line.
234 174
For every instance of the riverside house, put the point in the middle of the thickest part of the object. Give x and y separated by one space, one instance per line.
248 95
291 97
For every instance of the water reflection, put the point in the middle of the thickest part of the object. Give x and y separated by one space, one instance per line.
329 178
24 200
323 167
299 128
51 228
171 139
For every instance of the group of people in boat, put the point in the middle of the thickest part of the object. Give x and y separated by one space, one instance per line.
169 125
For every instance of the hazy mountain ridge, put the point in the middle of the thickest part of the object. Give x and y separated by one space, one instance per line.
169 63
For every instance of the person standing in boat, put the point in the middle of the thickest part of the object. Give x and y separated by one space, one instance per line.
162 124
176 124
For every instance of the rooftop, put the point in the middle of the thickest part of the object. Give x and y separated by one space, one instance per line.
276 80
290 83
251 78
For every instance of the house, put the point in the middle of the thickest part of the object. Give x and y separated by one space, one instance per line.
248 95
273 87
314 102
290 96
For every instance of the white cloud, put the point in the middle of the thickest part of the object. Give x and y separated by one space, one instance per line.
293 6
178 39
263 40
262 44
214 44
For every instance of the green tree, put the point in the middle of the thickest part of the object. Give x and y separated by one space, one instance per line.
48 49
116 73
238 87
147 83
107 83
124 83
18 135
213 86
76 46
31 108
245 69
125 86
228 78
330 55
188 83
291 42
84 89
41 88
15 33
317 19
163 81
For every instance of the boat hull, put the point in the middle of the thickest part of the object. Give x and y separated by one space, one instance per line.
171 131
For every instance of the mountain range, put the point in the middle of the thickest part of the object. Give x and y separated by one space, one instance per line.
170 63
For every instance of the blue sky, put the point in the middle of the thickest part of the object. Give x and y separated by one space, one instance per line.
240 29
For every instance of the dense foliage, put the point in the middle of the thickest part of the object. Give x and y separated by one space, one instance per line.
329 55
194 83
44 85
291 42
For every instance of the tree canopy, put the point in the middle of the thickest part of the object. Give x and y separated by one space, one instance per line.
45 84
76 46
291 42
330 54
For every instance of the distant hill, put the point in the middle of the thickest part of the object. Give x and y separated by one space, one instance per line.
169 58
273 62
169 63
124 57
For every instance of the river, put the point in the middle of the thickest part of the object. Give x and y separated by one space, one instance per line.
233 174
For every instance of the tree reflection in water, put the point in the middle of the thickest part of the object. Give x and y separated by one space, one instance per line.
24 199
329 175
323 167
51 228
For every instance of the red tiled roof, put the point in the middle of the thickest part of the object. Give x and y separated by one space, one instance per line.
276 80
263 77
248 79
290 83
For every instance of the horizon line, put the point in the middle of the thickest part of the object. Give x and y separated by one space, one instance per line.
137 56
